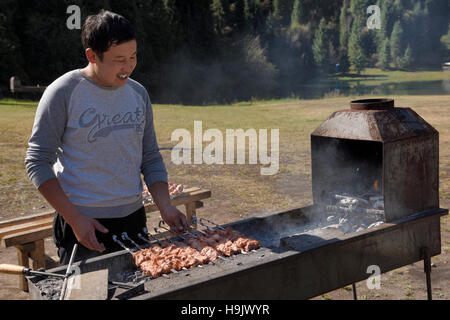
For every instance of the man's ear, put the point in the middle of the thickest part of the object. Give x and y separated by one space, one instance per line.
91 56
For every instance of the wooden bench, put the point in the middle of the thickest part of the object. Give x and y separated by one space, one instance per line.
27 234
15 85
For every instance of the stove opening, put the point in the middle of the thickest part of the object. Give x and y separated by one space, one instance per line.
344 170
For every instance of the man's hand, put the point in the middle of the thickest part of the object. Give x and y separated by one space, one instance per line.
84 229
175 219
171 215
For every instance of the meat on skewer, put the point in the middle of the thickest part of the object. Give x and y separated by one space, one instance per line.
238 239
158 260
203 248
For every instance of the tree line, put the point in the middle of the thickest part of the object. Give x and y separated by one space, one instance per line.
221 51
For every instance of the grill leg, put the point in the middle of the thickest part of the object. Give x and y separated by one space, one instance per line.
355 297
427 270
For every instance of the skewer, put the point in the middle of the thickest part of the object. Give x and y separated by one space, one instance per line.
169 230
192 234
162 234
115 239
220 227
176 234
195 220
126 237
150 235
202 232
140 236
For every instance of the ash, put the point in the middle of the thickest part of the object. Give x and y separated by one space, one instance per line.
50 288
351 213
343 213
132 276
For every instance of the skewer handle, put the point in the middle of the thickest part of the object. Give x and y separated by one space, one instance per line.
126 237
201 223
169 230
162 234
218 226
150 235
12 269
114 237
143 238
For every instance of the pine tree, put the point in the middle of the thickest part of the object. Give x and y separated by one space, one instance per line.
279 13
320 46
358 9
297 13
406 60
396 43
447 38
343 38
218 15
384 54
248 11
239 15
356 54
386 14
343 25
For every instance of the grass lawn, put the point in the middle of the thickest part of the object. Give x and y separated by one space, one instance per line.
239 190
378 75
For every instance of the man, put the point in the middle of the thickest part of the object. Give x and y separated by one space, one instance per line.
95 127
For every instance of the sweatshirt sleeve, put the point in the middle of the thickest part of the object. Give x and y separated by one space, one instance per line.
153 167
48 129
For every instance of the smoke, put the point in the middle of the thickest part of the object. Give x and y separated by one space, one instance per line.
347 191
237 73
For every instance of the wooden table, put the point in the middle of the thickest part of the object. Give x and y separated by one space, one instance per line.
190 198
27 234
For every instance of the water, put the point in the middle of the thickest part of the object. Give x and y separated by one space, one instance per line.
356 88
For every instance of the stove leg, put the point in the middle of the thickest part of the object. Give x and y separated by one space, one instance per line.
355 297
427 269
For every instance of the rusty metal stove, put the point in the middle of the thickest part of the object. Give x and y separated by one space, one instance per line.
376 143
371 149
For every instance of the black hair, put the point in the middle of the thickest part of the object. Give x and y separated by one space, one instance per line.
104 29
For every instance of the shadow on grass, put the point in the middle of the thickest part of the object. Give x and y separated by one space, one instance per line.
18 103
355 76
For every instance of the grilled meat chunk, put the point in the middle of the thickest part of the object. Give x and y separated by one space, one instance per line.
158 260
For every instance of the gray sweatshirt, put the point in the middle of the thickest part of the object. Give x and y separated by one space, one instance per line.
96 141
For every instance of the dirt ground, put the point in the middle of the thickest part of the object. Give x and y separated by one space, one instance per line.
406 283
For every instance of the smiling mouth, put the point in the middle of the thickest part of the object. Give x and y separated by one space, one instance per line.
122 76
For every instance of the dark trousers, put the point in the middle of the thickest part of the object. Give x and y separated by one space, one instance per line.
65 239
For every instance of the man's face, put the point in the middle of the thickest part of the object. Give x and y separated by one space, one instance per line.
117 64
